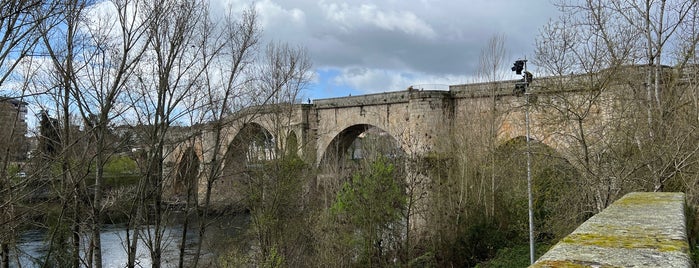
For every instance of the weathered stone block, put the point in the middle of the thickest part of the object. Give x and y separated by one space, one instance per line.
638 230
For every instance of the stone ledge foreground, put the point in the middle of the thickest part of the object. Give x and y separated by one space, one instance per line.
638 230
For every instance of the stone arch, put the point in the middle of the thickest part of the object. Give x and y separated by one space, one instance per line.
344 145
291 146
555 184
517 148
247 149
537 146
186 172
252 143
350 151
513 126
341 136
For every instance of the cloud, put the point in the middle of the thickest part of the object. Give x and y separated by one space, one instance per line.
274 15
350 17
391 44
375 80
279 22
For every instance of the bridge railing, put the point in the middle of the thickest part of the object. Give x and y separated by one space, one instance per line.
638 230
442 87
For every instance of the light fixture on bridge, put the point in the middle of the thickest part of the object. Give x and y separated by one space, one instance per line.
521 88
519 66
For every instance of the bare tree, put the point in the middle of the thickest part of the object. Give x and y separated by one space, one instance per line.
658 25
226 91
19 21
274 190
492 60
601 42
93 56
284 73
170 71
116 44
63 42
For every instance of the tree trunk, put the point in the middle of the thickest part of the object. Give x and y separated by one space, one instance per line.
97 202
185 225
5 255
76 230
133 239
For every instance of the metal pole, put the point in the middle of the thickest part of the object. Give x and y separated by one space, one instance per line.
529 169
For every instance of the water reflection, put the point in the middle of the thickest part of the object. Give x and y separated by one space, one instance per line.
33 246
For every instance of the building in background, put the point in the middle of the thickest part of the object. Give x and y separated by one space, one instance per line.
13 130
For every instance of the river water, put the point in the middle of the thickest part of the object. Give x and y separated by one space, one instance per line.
33 246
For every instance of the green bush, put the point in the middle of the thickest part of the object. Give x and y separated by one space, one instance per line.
370 207
515 256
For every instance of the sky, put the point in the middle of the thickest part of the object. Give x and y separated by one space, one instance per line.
362 47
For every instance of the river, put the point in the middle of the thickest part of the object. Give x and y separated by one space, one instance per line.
33 246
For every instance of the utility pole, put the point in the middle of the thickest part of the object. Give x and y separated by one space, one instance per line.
523 87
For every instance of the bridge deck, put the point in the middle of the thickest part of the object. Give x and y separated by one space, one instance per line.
638 230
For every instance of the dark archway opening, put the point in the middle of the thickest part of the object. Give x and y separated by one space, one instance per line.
356 144
251 147
186 176
292 145
558 193
353 150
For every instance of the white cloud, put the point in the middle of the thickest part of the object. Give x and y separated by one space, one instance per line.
374 80
278 21
350 17
376 46
272 14
405 21
101 23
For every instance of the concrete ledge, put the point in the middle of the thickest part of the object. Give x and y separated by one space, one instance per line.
638 230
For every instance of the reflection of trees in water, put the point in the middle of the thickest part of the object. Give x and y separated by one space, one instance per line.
32 246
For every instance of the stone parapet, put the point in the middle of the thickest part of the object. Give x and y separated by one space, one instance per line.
363 100
638 230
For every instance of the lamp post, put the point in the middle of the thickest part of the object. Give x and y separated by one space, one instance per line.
523 87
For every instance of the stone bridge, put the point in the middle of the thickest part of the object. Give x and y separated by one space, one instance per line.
421 122
428 123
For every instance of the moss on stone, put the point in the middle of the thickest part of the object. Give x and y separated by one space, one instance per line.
662 244
569 264
646 199
638 230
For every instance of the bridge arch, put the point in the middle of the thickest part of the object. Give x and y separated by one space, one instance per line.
557 188
348 151
247 146
351 144
341 138
186 170
291 145
252 143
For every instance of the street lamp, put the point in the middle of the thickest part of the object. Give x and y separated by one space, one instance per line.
522 87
